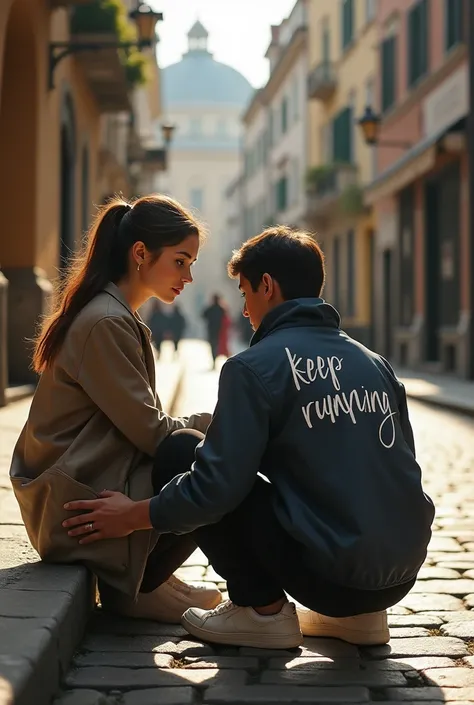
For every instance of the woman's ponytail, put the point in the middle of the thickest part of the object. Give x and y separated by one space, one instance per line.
104 260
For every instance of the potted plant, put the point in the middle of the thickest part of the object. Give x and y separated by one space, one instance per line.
109 17
351 200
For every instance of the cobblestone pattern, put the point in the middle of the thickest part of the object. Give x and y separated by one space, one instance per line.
430 657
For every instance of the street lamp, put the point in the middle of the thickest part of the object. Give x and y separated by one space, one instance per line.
370 126
167 131
145 20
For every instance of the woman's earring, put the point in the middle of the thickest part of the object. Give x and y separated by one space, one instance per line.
138 266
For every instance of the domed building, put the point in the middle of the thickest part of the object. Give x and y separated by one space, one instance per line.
204 99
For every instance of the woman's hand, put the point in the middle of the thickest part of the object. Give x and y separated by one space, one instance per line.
112 516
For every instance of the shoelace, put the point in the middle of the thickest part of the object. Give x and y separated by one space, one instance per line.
223 607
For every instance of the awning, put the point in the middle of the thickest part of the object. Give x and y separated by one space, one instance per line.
415 162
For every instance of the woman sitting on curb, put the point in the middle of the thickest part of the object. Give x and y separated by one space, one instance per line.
96 420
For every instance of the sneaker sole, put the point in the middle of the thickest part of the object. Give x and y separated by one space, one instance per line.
352 637
258 641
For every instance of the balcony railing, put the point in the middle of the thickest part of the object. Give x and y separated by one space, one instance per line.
105 73
322 81
326 186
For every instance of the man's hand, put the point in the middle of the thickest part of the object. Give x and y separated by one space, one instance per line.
112 516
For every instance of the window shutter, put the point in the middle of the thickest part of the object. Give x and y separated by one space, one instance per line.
347 22
424 38
453 22
388 72
342 136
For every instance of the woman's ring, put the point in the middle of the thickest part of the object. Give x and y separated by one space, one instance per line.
90 527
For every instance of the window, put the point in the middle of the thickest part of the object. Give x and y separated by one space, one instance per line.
342 136
453 22
351 271
370 10
196 198
281 194
417 42
388 72
347 23
284 115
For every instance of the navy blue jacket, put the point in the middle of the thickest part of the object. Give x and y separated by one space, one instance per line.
326 421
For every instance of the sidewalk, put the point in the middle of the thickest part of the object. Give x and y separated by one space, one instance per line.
447 392
43 608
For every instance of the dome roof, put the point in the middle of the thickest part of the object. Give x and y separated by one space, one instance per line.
200 80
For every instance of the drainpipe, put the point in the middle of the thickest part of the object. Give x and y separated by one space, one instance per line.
470 136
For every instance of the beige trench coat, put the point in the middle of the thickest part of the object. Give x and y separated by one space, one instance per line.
95 423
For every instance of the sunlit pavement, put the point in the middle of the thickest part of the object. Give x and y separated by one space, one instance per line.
431 654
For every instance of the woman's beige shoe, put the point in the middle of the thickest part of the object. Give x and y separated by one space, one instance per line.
364 629
166 603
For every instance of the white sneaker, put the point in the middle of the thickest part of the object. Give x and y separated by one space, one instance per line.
363 629
243 626
164 604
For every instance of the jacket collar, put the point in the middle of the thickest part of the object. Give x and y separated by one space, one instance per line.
297 313
114 291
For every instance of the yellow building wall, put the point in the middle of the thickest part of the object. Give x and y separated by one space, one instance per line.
354 68
31 235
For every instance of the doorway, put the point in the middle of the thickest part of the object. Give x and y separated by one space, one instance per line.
432 270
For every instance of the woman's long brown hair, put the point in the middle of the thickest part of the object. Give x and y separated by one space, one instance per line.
157 221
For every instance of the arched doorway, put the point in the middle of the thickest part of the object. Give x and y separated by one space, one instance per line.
18 186
67 171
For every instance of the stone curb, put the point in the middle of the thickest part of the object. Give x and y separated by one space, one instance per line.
44 609
443 403
43 616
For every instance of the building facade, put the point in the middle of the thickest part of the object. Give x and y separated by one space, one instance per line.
204 99
341 82
63 146
420 193
275 132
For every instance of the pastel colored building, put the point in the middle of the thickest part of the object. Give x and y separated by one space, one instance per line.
342 61
420 194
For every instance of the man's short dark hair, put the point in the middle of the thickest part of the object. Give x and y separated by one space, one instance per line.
292 257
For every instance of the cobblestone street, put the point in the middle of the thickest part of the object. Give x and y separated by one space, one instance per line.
430 657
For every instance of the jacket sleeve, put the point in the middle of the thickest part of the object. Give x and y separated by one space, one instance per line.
227 460
113 374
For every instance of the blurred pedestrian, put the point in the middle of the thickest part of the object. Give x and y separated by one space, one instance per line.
214 317
177 326
158 323
96 420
